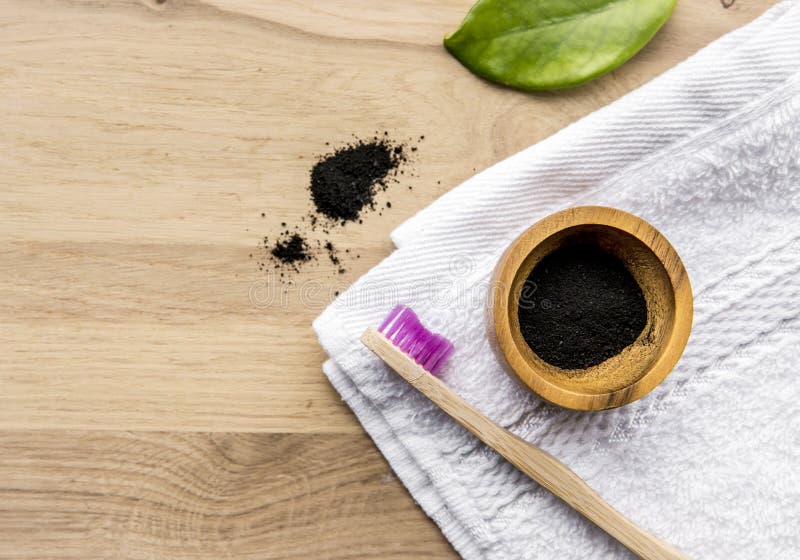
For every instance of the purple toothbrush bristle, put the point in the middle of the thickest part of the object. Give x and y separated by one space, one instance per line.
389 318
404 329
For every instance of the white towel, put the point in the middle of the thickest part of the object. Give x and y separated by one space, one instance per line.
709 153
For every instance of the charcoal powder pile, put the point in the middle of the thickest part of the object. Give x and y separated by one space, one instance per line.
291 249
345 182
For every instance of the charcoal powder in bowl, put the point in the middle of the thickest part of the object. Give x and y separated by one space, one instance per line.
580 306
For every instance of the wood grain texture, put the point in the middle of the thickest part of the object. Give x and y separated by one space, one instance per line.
159 495
140 141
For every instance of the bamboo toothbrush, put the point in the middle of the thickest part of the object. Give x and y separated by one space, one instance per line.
418 354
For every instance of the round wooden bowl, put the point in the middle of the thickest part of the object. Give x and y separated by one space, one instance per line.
639 367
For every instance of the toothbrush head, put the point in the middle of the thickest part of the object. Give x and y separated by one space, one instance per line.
404 329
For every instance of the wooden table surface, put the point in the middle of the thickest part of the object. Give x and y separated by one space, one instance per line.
149 406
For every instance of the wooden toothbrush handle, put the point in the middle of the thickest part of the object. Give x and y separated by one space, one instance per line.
536 463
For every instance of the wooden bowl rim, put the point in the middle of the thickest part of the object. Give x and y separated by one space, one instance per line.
513 259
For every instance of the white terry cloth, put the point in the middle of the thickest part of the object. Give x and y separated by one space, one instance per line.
709 153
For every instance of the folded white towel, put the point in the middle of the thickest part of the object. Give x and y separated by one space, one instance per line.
709 153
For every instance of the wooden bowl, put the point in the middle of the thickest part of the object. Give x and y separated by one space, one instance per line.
639 367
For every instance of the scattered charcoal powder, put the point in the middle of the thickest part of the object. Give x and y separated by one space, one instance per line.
580 306
345 182
332 253
291 249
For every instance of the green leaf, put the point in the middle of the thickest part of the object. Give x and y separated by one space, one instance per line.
551 44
